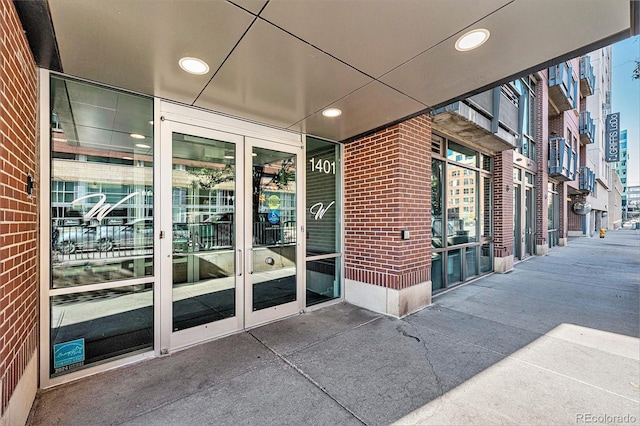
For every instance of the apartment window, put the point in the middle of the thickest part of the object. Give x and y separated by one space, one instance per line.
525 88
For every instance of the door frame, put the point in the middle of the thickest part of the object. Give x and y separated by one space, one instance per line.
170 116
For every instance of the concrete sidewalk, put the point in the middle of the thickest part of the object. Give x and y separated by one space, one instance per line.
553 342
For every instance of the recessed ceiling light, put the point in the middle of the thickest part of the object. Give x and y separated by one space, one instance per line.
141 145
331 112
194 65
472 39
253 154
127 158
137 136
229 157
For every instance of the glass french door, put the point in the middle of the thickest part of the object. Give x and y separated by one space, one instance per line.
273 255
229 246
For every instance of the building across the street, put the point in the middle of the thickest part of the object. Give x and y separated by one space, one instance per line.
633 202
176 173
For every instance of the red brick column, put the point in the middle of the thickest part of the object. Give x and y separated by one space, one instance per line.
542 165
563 223
387 181
19 283
503 211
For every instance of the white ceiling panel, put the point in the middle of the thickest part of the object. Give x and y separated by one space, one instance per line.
280 62
85 115
362 110
435 75
136 44
278 79
253 6
376 36
92 136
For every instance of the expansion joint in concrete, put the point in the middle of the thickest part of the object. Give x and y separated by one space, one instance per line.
309 379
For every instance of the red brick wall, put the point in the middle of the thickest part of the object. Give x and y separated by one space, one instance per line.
542 159
18 213
564 208
503 204
387 180
576 222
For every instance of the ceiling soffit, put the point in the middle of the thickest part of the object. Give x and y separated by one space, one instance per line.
281 62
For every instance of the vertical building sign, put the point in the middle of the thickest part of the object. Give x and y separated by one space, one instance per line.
612 138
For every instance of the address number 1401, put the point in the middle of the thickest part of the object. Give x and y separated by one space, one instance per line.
323 166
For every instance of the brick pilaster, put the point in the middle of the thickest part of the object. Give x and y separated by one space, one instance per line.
387 179
564 206
503 211
542 164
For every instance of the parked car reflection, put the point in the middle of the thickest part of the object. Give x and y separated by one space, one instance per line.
135 234
69 240
138 235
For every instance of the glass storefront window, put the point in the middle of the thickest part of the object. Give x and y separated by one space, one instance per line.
323 279
454 267
101 212
438 231
486 258
486 206
462 205
486 162
323 209
437 281
471 261
90 327
102 184
461 154
461 214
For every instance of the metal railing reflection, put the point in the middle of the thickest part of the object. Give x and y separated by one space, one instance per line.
116 241
265 233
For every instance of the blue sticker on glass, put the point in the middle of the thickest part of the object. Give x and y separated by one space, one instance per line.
273 217
68 353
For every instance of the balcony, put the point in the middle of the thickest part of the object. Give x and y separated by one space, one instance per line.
587 181
563 88
563 160
488 119
587 128
587 77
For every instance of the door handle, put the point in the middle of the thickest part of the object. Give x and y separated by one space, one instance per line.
240 263
251 269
